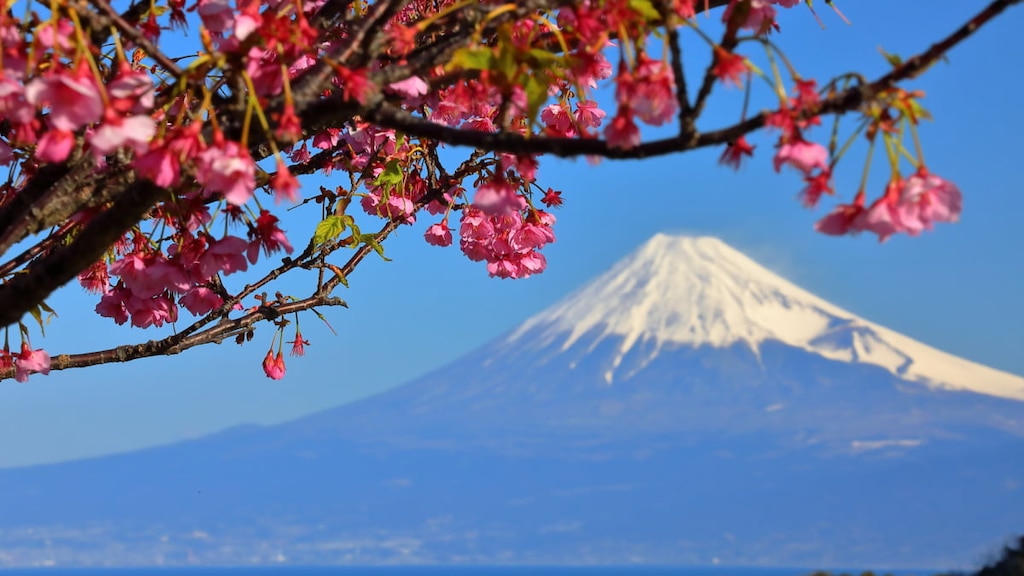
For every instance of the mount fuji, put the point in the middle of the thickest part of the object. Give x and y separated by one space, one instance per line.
701 292
687 407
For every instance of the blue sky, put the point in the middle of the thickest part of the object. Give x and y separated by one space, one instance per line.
958 288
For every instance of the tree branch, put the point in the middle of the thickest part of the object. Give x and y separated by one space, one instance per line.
26 291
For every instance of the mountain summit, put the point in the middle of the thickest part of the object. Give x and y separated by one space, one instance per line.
698 291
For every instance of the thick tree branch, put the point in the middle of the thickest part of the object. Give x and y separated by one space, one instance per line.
26 291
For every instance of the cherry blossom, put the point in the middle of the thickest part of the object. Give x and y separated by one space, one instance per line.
134 132
803 155
729 67
622 132
227 168
73 97
201 301
734 153
29 361
273 366
439 234
298 345
267 235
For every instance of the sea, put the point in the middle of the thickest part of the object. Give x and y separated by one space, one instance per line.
453 571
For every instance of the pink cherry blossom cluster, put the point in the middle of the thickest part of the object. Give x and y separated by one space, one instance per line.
794 150
502 229
153 282
648 93
908 206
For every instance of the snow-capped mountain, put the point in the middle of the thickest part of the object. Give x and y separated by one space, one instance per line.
698 291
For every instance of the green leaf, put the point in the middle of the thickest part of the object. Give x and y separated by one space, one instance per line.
391 177
37 313
645 9
471 59
506 63
536 96
541 59
343 279
329 229
893 59
371 241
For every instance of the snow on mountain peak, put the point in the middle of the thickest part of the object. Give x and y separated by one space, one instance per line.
699 291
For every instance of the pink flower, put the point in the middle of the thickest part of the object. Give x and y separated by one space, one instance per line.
842 220
55 146
552 198
925 199
503 268
588 115
498 197
13 105
806 94
820 183
393 206
73 97
217 15
355 84
734 153
285 185
802 155
532 263
159 274
115 132
266 234
558 121
760 16
652 97
112 304
131 267
298 345
95 278
131 92
729 67
228 169
622 132
146 312
300 155
880 219
29 361
529 237
159 165
247 22
411 87
475 225
474 250
274 367
525 165
201 301
439 234
223 256
327 139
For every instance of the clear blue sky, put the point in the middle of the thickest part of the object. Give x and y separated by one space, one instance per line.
959 288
